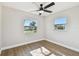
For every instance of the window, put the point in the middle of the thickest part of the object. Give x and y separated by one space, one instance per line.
30 26
60 23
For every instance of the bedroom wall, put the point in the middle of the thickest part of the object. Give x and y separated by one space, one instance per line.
13 30
0 27
70 37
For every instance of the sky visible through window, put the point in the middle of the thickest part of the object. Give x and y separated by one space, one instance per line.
27 22
62 20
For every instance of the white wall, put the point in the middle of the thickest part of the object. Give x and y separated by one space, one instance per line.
13 30
70 37
0 27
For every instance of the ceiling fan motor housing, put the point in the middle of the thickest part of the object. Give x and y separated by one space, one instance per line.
41 8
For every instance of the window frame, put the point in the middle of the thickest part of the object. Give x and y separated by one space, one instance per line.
31 19
65 25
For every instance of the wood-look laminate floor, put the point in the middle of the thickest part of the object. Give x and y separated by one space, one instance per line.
26 49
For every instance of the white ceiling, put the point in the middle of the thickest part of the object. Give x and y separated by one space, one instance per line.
31 6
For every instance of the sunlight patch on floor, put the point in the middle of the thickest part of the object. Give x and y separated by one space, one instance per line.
42 51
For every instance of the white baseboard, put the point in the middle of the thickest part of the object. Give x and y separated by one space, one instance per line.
74 49
24 43
8 47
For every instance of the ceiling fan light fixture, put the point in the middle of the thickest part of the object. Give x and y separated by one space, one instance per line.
41 11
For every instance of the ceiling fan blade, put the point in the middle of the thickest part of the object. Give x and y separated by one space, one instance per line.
48 11
33 10
49 5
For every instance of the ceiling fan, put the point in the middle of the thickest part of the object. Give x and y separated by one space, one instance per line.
44 8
